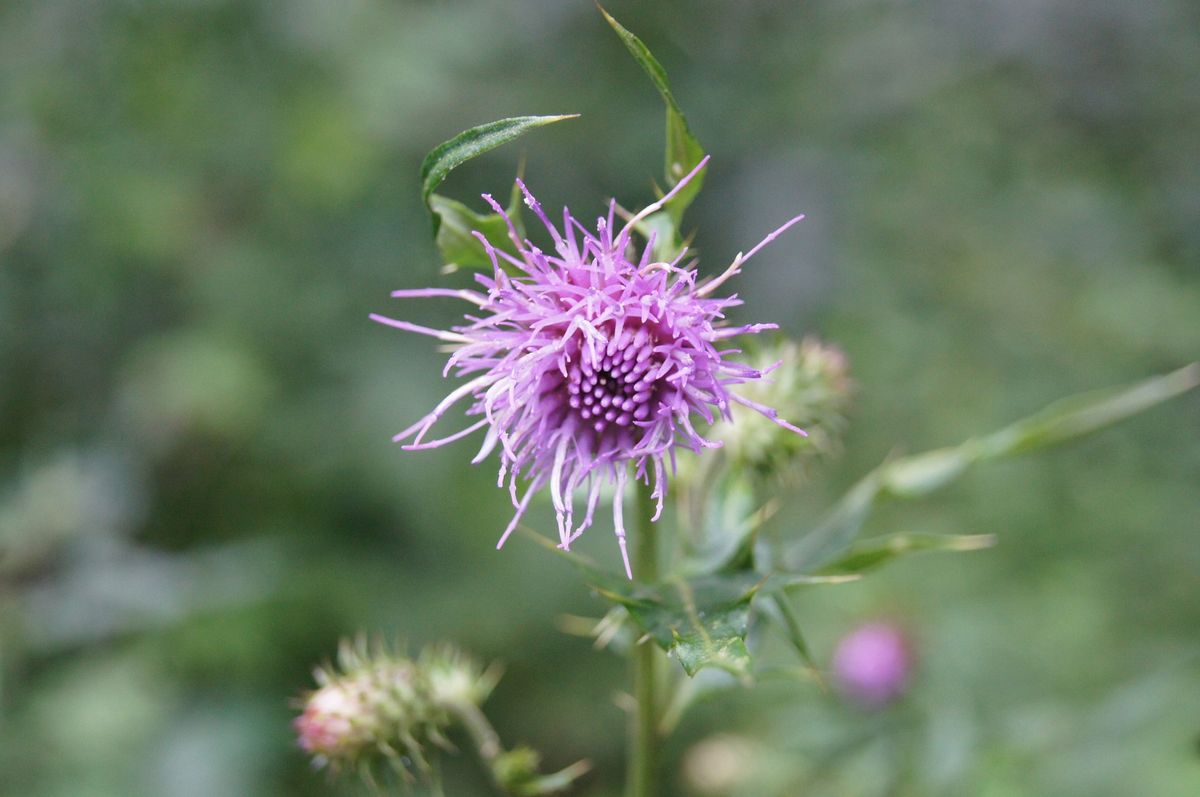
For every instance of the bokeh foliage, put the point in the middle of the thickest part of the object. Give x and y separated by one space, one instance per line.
201 200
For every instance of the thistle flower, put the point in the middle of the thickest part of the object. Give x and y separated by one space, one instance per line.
588 360
872 664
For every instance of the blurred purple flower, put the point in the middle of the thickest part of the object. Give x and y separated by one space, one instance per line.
873 664
586 360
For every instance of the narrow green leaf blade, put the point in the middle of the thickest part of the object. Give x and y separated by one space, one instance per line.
919 475
1080 415
641 53
684 152
474 142
870 554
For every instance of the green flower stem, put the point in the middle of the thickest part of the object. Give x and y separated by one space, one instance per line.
483 735
477 726
644 739
514 772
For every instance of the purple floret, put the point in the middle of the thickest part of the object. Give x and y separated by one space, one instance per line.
586 361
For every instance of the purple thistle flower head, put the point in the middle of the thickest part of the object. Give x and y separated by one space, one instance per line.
873 664
587 360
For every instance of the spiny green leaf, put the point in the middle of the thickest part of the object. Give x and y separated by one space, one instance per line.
684 152
474 142
921 474
453 222
873 553
702 620
702 623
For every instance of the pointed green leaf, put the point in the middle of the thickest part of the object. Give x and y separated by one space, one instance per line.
873 553
788 583
1080 415
456 222
453 222
683 150
518 771
921 474
720 643
661 227
474 142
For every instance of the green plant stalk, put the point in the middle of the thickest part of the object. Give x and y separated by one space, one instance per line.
483 735
642 775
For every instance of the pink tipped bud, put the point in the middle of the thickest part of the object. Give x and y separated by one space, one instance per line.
377 707
370 706
336 723
872 665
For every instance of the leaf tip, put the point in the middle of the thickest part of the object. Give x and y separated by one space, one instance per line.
977 542
608 16
1189 376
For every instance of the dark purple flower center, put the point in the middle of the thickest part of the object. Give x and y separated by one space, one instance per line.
615 388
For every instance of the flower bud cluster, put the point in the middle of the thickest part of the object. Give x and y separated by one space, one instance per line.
375 706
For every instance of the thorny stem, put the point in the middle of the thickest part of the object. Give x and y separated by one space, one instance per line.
642 775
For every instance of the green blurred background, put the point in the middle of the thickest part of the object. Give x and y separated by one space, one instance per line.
201 201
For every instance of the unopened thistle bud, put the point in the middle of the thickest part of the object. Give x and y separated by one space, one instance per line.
376 706
455 679
338 722
806 382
